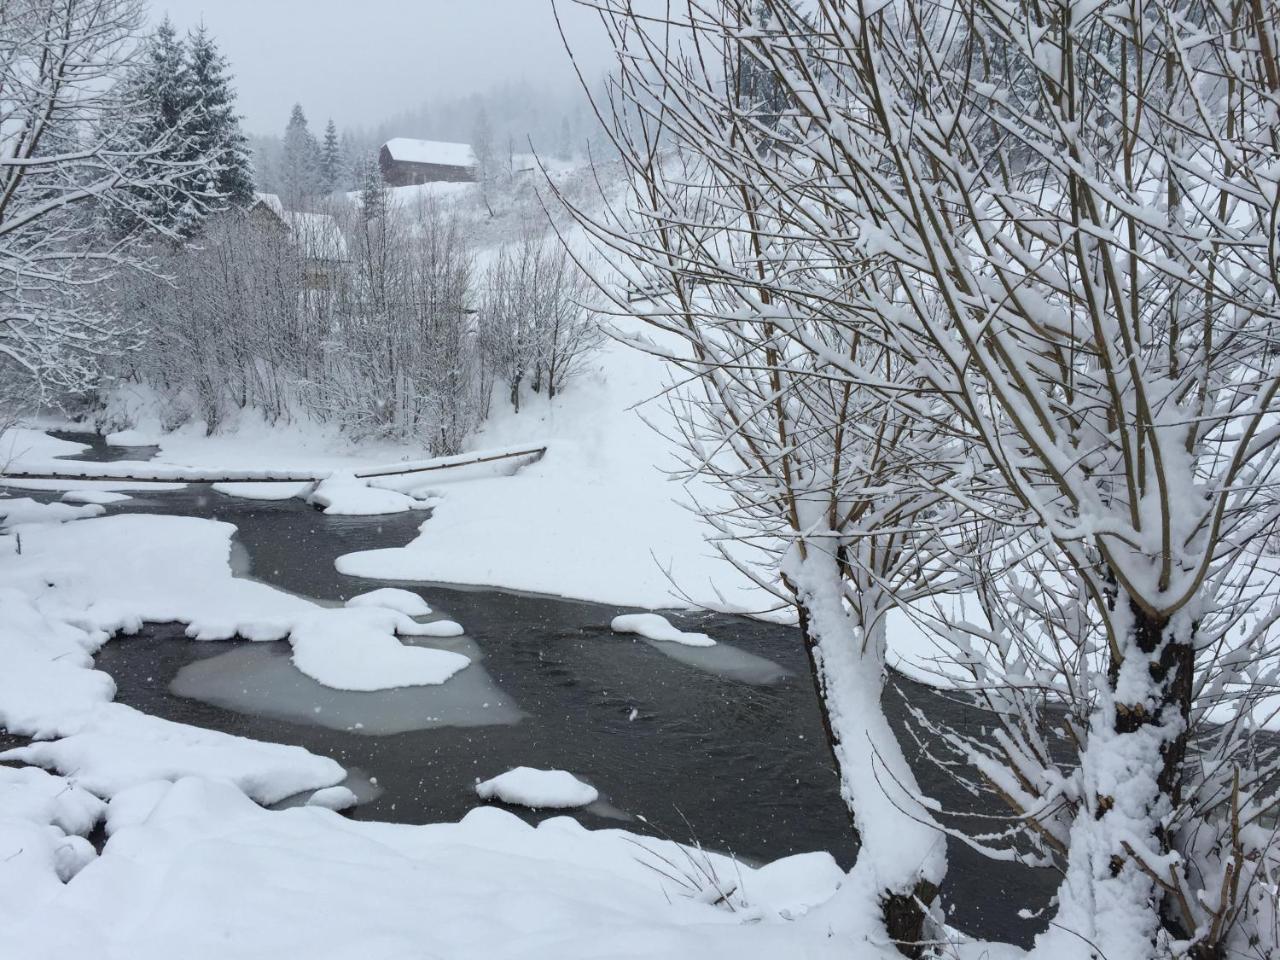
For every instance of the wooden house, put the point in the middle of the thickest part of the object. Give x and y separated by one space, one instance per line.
406 162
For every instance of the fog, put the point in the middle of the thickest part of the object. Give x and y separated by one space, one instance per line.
361 63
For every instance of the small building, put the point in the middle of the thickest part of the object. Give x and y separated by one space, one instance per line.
406 162
323 247
267 212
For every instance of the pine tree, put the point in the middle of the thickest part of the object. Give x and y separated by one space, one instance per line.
330 160
300 162
217 132
160 96
180 98
374 192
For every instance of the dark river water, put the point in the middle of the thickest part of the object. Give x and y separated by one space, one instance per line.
725 748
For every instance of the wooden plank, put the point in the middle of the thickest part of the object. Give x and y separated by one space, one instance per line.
196 475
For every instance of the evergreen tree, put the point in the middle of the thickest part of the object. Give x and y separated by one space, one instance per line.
300 162
217 132
160 96
330 160
180 98
374 192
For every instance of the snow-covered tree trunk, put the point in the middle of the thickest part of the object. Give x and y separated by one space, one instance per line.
1119 854
901 855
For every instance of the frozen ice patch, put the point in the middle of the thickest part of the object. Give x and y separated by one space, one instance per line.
260 680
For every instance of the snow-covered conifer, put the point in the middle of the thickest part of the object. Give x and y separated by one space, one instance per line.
300 162
331 161
216 132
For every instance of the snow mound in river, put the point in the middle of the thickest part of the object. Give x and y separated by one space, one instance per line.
653 627
392 598
538 789
345 494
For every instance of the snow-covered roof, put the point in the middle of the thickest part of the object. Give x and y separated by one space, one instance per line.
271 202
317 234
431 151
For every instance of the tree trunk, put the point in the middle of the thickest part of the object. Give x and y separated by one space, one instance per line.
1131 772
902 856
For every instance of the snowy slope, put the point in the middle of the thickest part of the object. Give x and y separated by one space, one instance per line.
596 519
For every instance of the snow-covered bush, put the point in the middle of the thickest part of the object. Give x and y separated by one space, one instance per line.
535 325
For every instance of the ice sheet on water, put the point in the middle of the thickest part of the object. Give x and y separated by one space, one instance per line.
724 660
260 679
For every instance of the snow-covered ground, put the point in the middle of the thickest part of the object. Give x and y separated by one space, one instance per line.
196 870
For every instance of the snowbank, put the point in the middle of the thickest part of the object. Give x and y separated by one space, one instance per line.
538 789
134 438
118 747
23 510
654 627
196 870
18 444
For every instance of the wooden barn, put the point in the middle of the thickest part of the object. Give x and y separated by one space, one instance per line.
406 162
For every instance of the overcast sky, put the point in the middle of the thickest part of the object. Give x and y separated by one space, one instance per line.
361 61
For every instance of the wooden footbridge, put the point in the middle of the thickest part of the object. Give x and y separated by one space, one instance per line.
141 472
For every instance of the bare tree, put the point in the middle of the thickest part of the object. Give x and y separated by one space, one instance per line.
65 158
536 324
1059 225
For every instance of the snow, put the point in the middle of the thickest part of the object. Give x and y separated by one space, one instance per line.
250 490
198 871
28 793
133 438
538 789
357 649
333 798
118 747
655 627
23 510
18 444
392 598
344 494
431 151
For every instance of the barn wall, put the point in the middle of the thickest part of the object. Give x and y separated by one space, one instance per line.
401 173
